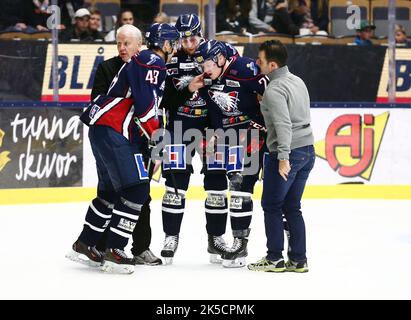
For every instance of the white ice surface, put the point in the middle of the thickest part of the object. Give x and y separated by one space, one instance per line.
357 249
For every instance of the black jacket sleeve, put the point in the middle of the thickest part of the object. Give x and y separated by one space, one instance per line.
101 83
105 73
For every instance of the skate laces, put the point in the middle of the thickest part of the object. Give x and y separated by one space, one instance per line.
219 242
120 253
95 251
237 243
170 242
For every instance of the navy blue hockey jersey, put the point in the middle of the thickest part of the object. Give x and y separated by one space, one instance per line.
232 99
180 71
136 91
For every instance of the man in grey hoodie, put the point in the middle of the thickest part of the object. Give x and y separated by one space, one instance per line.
286 110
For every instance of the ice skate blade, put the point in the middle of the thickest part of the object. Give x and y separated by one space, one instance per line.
81 258
236 263
215 259
111 267
168 261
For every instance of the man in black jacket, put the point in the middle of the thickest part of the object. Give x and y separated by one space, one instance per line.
129 41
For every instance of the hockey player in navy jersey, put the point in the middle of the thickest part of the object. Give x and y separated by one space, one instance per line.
232 101
120 146
187 110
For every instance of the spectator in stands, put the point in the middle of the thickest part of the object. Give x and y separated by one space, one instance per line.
161 17
282 21
18 15
364 34
80 30
233 16
95 24
124 17
68 9
319 14
401 36
40 14
261 16
301 15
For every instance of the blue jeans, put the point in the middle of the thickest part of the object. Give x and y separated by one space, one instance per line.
280 196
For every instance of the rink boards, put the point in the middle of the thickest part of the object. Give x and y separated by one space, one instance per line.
363 151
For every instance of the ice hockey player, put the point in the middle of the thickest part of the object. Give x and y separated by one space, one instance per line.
187 110
232 101
119 148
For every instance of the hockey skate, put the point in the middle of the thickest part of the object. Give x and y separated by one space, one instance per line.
235 257
169 249
116 261
147 258
84 254
216 247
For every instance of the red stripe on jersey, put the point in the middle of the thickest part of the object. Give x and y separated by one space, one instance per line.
116 116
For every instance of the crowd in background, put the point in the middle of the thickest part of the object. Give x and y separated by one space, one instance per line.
80 21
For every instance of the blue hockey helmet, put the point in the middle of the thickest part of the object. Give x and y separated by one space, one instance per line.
188 25
161 32
210 50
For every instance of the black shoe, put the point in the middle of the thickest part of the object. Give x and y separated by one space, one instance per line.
147 258
84 254
116 261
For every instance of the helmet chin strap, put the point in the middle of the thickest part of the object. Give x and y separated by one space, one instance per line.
221 67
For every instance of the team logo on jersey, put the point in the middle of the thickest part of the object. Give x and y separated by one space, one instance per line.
141 167
227 101
181 83
94 109
217 161
172 71
175 157
174 60
219 87
231 83
187 66
153 58
235 159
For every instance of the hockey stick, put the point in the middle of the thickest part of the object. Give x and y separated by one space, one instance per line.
150 162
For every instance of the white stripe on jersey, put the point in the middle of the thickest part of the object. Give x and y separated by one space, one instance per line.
127 121
148 116
106 108
115 79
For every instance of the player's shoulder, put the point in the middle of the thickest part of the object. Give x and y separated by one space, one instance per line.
243 68
149 59
230 49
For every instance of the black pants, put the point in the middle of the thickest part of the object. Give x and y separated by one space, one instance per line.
141 233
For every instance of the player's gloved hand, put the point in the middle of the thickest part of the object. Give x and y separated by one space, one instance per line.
151 125
253 144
